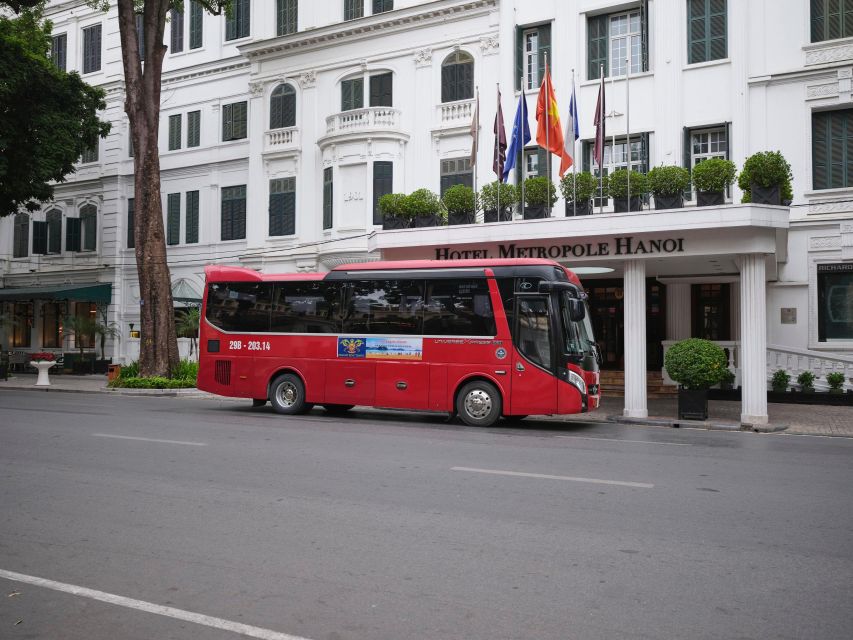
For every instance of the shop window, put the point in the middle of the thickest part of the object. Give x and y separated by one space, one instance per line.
85 311
22 314
51 325
835 302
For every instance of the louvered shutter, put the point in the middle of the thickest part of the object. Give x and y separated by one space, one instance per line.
72 234
226 231
177 31
239 217
519 57
383 184
196 24
289 107
174 132
696 31
191 232
328 193
544 50
89 222
240 122
21 246
193 128
227 122
381 90
644 34
276 214
39 237
54 231
173 218
597 46
717 27
687 159
276 108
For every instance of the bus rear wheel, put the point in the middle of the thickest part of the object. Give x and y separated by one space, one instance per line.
479 404
287 395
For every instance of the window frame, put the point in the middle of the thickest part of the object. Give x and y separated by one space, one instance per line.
328 198
92 43
239 24
21 235
173 219
59 54
176 31
280 96
281 218
598 40
450 177
458 87
228 121
175 133
706 22
233 212
287 17
353 10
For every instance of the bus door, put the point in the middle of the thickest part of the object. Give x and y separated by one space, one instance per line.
534 385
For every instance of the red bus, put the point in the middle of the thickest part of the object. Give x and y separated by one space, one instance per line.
478 338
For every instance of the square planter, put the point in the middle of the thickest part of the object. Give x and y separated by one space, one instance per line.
710 198
663 202
692 404
766 195
394 222
491 215
425 221
460 218
634 203
537 212
578 208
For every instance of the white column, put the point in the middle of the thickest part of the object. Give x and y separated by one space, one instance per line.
635 339
753 336
678 318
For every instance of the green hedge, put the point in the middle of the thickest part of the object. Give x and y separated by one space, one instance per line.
696 363
154 382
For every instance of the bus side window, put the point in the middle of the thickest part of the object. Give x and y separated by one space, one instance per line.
384 307
459 308
239 306
305 307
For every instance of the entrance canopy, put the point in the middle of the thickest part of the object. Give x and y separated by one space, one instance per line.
97 292
183 292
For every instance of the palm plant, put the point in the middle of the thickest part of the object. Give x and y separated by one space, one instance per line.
104 331
186 325
84 329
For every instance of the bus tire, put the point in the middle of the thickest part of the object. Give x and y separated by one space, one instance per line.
287 395
479 404
337 408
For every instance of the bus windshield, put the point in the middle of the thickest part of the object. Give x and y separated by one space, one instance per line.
578 336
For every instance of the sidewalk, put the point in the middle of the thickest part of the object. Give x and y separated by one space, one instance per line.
798 419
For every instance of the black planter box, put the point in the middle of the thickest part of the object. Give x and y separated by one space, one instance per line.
710 198
765 195
692 404
663 202
460 218
536 212
394 222
578 208
491 215
425 221
813 397
621 205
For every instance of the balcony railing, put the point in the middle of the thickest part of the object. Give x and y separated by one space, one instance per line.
282 139
456 114
363 120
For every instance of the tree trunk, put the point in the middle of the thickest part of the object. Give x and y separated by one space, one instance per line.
158 348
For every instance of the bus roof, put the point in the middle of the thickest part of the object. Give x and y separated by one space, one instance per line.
223 273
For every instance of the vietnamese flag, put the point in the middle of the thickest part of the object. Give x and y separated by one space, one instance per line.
549 133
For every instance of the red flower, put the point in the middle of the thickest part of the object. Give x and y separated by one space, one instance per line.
44 355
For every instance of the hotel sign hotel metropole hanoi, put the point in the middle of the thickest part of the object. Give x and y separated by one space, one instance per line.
617 246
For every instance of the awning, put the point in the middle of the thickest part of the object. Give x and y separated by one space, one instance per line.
184 292
97 292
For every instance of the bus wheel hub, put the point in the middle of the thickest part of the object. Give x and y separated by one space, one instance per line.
478 404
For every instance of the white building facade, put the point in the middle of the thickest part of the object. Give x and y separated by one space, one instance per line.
281 126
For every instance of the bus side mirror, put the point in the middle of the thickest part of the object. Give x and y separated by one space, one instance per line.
577 310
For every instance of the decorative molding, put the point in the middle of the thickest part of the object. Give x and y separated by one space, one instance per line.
825 243
847 227
210 71
256 89
490 45
838 206
307 79
423 58
824 90
827 53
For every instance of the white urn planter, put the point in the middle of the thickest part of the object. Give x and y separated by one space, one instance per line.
43 367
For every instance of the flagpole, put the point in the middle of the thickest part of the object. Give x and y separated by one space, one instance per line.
628 123
496 150
547 140
521 136
601 160
573 105
476 143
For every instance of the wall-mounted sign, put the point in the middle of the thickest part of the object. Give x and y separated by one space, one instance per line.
789 315
618 246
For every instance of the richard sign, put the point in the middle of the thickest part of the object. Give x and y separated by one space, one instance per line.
618 246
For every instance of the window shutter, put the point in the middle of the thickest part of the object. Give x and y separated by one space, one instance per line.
227 122
72 234
276 108
239 214
717 29
231 23
289 209
54 231
544 49
276 214
383 184
286 17
587 152
173 218
240 115
174 132
833 13
191 232
196 22
644 152
289 108
225 215
448 75
519 58
381 90
21 236
644 34
328 194
58 49
90 228
177 30
39 237
543 160
193 128
696 31
686 157
597 46
131 238
347 100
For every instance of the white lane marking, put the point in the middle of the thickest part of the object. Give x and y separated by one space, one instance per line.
670 444
110 435
518 474
150 607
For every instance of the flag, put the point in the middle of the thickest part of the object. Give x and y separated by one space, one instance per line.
598 151
549 133
500 141
475 131
520 135
572 132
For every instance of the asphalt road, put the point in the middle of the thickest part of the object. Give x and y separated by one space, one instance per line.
141 518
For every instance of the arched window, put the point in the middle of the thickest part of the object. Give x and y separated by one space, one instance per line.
457 77
21 247
283 107
54 231
89 224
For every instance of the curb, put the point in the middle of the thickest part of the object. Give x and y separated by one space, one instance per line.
699 424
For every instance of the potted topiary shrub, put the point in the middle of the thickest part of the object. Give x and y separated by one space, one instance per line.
494 193
460 203
711 178
835 381
696 365
540 194
618 186
766 179
577 190
667 184
806 381
779 381
392 208
423 208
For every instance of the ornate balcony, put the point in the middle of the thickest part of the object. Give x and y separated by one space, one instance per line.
363 123
281 140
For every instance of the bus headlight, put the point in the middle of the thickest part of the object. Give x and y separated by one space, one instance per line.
576 381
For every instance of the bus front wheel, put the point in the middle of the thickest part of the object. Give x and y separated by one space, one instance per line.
479 404
287 395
